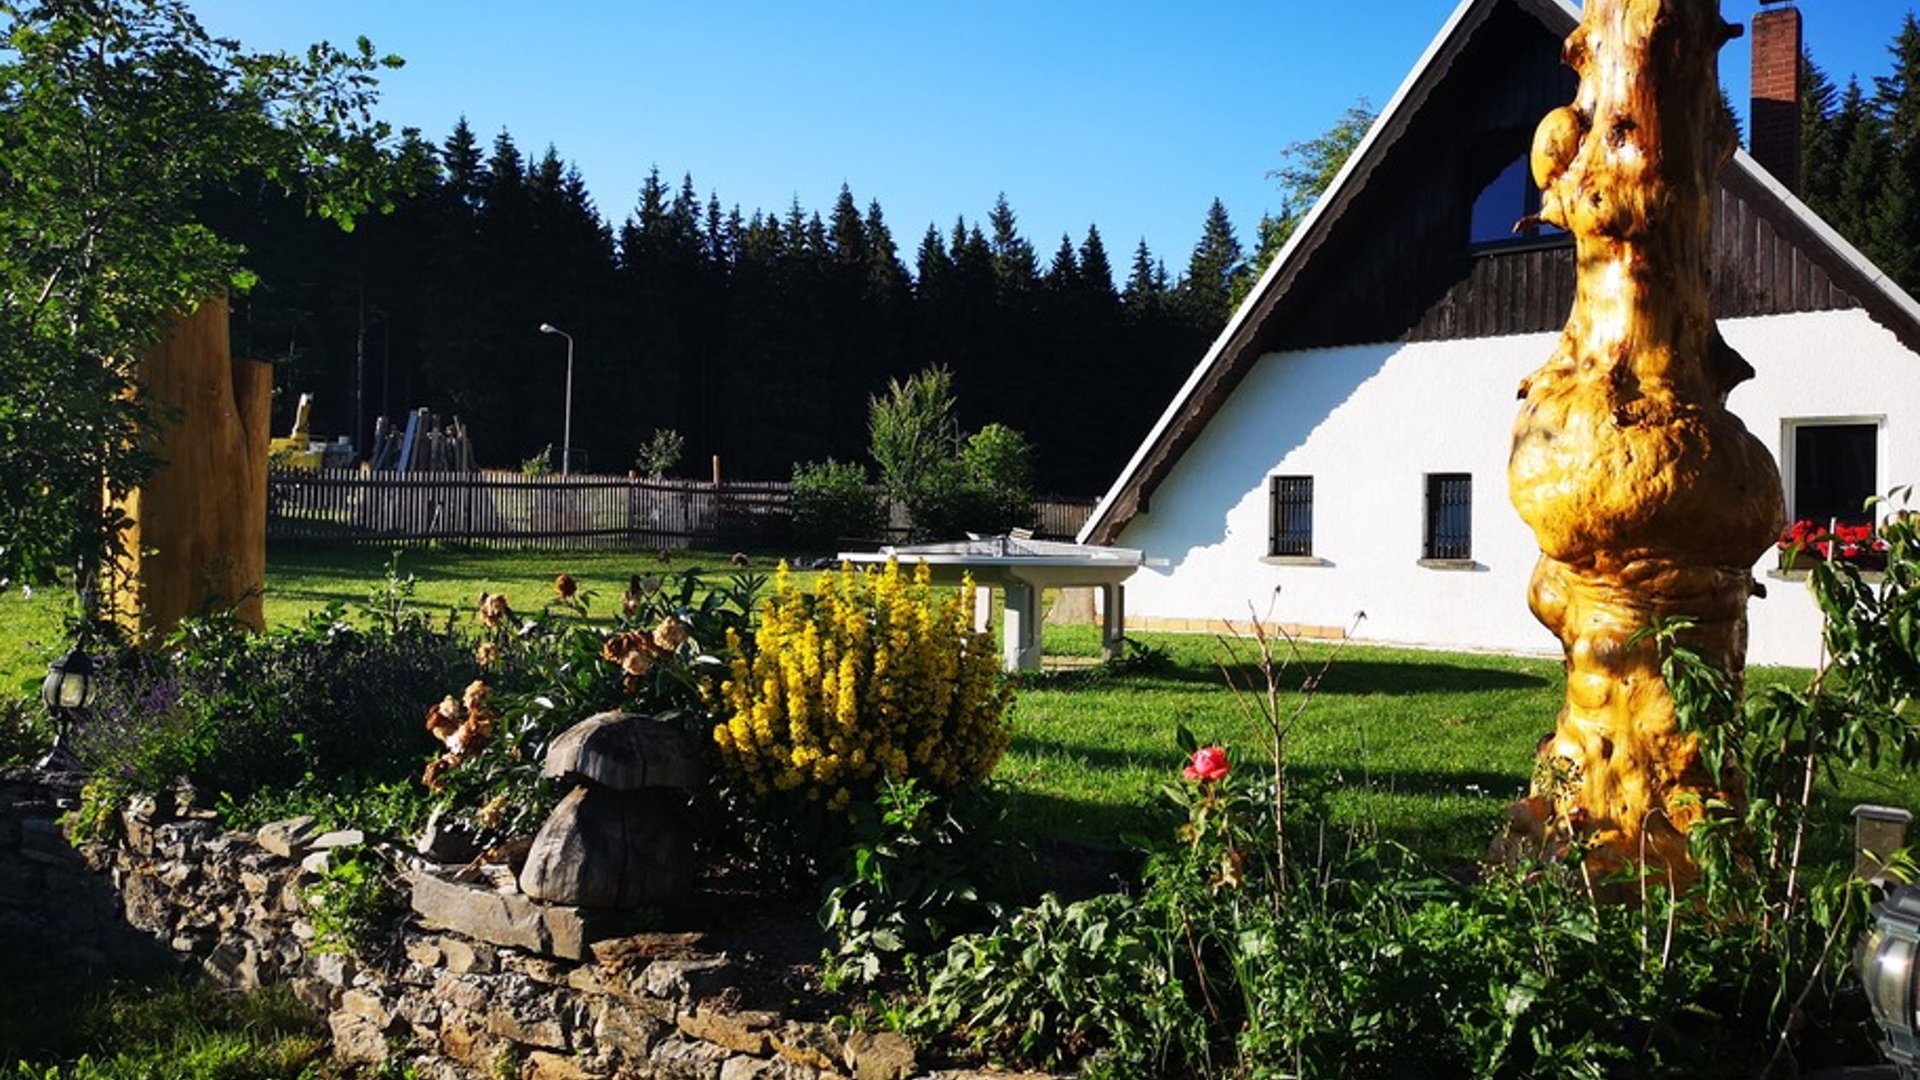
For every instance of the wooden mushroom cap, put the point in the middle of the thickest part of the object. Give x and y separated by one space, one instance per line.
625 752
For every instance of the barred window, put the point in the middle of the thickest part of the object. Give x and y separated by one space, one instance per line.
1449 532
1290 530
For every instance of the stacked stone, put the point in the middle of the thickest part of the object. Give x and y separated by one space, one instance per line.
551 998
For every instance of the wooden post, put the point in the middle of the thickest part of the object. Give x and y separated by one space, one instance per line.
1648 498
198 525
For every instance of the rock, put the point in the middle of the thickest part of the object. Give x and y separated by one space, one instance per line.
810 1045
284 837
625 752
879 1056
361 1002
462 957
335 969
338 838
528 1024
425 952
627 1030
609 849
507 919
236 966
542 1065
689 980
357 1040
743 1033
688 1058
315 863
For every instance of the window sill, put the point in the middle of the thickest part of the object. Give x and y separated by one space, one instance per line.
1871 577
1294 560
1449 564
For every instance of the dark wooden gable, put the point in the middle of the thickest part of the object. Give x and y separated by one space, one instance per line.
1407 270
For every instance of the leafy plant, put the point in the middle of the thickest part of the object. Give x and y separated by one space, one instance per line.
660 453
833 502
948 486
910 883
540 464
353 901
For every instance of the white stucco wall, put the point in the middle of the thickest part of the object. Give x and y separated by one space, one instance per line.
1368 423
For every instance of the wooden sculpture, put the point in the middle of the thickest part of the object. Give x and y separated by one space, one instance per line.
1648 498
198 528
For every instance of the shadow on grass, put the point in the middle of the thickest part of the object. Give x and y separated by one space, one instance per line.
1084 847
1359 675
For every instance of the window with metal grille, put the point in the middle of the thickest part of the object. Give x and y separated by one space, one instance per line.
1291 529
1449 516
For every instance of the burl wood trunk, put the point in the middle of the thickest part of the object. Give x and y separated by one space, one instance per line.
1648 498
199 523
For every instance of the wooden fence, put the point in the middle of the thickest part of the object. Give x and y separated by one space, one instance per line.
502 509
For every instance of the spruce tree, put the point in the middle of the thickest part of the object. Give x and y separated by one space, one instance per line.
1206 292
1820 152
1893 225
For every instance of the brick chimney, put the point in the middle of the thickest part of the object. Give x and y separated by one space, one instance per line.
1775 112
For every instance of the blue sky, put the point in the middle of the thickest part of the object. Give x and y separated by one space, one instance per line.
1129 115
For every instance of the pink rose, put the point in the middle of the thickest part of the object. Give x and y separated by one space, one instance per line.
1209 763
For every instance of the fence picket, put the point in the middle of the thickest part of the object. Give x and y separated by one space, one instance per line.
500 509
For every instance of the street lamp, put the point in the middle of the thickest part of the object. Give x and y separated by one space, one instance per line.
566 437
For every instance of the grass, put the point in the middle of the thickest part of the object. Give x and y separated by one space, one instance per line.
1426 747
173 1029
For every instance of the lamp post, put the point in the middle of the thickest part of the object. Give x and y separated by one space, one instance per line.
566 436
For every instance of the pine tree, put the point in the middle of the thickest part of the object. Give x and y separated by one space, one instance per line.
1095 269
1015 266
1063 274
1893 224
1820 152
1206 292
1145 289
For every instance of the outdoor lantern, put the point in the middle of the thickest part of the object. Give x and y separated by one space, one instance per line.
1887 969
70 686
1878 832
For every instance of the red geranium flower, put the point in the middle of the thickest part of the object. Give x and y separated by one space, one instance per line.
1209 763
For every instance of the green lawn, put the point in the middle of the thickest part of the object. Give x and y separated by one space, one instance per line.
1427 747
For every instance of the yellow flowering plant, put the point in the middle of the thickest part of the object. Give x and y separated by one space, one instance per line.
870 675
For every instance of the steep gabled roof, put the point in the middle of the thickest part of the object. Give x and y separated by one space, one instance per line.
1308 255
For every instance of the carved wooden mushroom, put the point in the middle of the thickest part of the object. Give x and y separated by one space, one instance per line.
619 839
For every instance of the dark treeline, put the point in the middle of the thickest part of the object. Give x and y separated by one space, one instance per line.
1860 156
758 338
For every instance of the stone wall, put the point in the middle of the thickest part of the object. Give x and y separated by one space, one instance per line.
449 1003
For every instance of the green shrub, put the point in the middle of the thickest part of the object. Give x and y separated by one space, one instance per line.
354 901
916 873
833 503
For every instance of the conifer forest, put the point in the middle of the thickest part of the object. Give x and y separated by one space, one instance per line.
760 335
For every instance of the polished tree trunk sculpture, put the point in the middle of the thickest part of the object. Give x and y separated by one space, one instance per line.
1648 498
196 529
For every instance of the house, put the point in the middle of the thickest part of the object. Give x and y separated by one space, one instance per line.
1344 441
